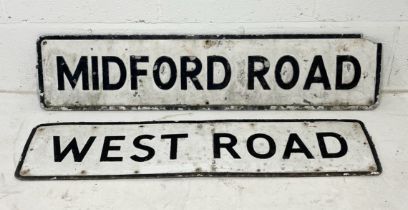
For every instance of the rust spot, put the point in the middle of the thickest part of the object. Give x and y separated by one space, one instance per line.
24 172
47 102
342 48
198 169
44 42
65 196
212 130
83 172
372 168
213 166
258 170
31 149
307 102
209 43
199 126
136 171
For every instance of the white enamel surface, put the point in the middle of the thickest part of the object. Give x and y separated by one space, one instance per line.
236 51
195 153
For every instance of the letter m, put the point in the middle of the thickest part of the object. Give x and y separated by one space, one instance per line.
82 68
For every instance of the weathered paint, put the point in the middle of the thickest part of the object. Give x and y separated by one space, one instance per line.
235 48
196 151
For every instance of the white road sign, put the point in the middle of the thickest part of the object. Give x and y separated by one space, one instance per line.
208 72
198 148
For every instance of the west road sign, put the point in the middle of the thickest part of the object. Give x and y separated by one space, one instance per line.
198 148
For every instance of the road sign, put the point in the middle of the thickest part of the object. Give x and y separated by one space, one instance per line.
198 148
208 72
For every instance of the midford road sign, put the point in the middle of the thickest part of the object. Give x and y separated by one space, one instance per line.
208 72
198 148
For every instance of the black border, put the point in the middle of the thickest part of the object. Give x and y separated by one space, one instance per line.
199 174
205 107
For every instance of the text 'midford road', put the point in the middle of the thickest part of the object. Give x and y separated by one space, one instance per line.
208 72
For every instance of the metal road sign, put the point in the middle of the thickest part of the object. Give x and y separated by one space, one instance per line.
208 72
198 148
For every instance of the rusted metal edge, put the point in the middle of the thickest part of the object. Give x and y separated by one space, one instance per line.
45 105
200 174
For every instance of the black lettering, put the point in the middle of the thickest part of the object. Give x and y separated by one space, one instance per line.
78 155
134 71
278 71
293 137
105 72
339 72
150 151
95 73
251 150
173 143
184 74
210 74
259 74
324 79
156 72
323 148
82 68
107 147
228 146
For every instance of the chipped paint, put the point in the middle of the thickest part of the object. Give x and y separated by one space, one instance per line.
196 153
236 95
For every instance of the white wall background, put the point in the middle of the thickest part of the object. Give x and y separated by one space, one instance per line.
23 21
